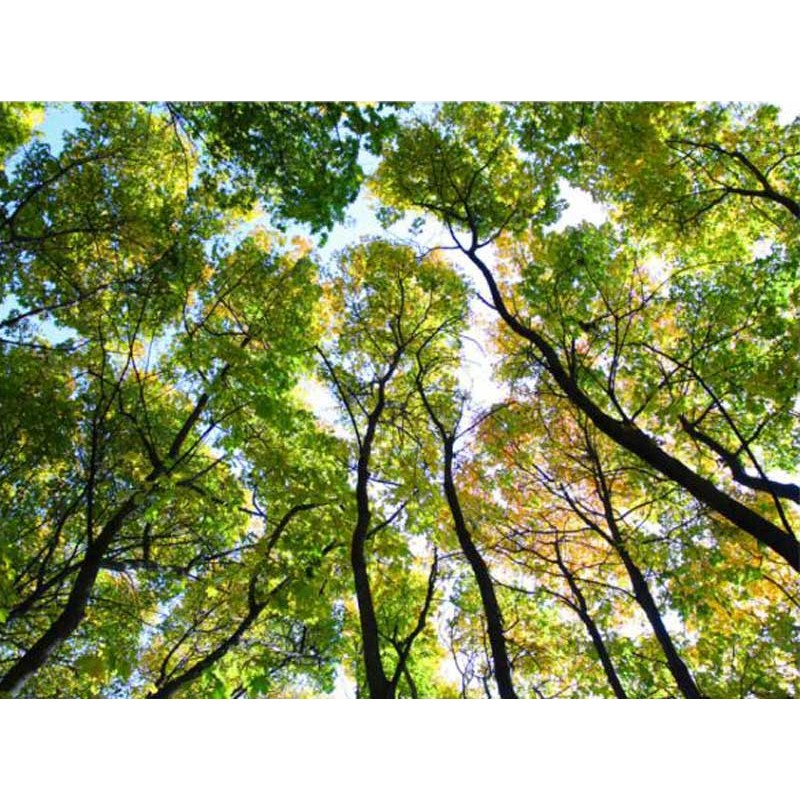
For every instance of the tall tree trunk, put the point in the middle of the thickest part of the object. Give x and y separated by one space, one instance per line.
581 608
491 608
172 686
379 686
683 677
602 652
377 683
645 599
641 590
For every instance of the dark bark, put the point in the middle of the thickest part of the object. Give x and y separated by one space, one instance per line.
70 617
767 190
168 688
491 607
582 610
74 610
403 646
645 599
602 652
769 194
53 583
787 491
377 682
641 590
172 686
643 596
379 686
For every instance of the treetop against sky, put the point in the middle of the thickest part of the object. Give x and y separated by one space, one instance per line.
399 401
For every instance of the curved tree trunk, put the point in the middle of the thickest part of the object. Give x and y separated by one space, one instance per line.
71 616
602 652
74 611
172 686
640 444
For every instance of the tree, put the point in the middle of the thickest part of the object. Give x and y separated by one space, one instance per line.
470 176
394 312
232 465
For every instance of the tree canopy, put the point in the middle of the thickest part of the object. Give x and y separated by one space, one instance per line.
235 464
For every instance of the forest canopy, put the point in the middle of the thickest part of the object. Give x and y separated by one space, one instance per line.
482 452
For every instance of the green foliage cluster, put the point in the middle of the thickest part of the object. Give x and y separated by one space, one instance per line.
231 468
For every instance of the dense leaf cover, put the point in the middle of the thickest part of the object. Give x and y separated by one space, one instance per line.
232 465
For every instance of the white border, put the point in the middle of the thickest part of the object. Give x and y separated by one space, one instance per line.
417 49
402 749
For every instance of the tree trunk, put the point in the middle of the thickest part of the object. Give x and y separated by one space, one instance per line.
491 608
582 610
640 444
68 620
602 652
378 684
172 686
645 599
